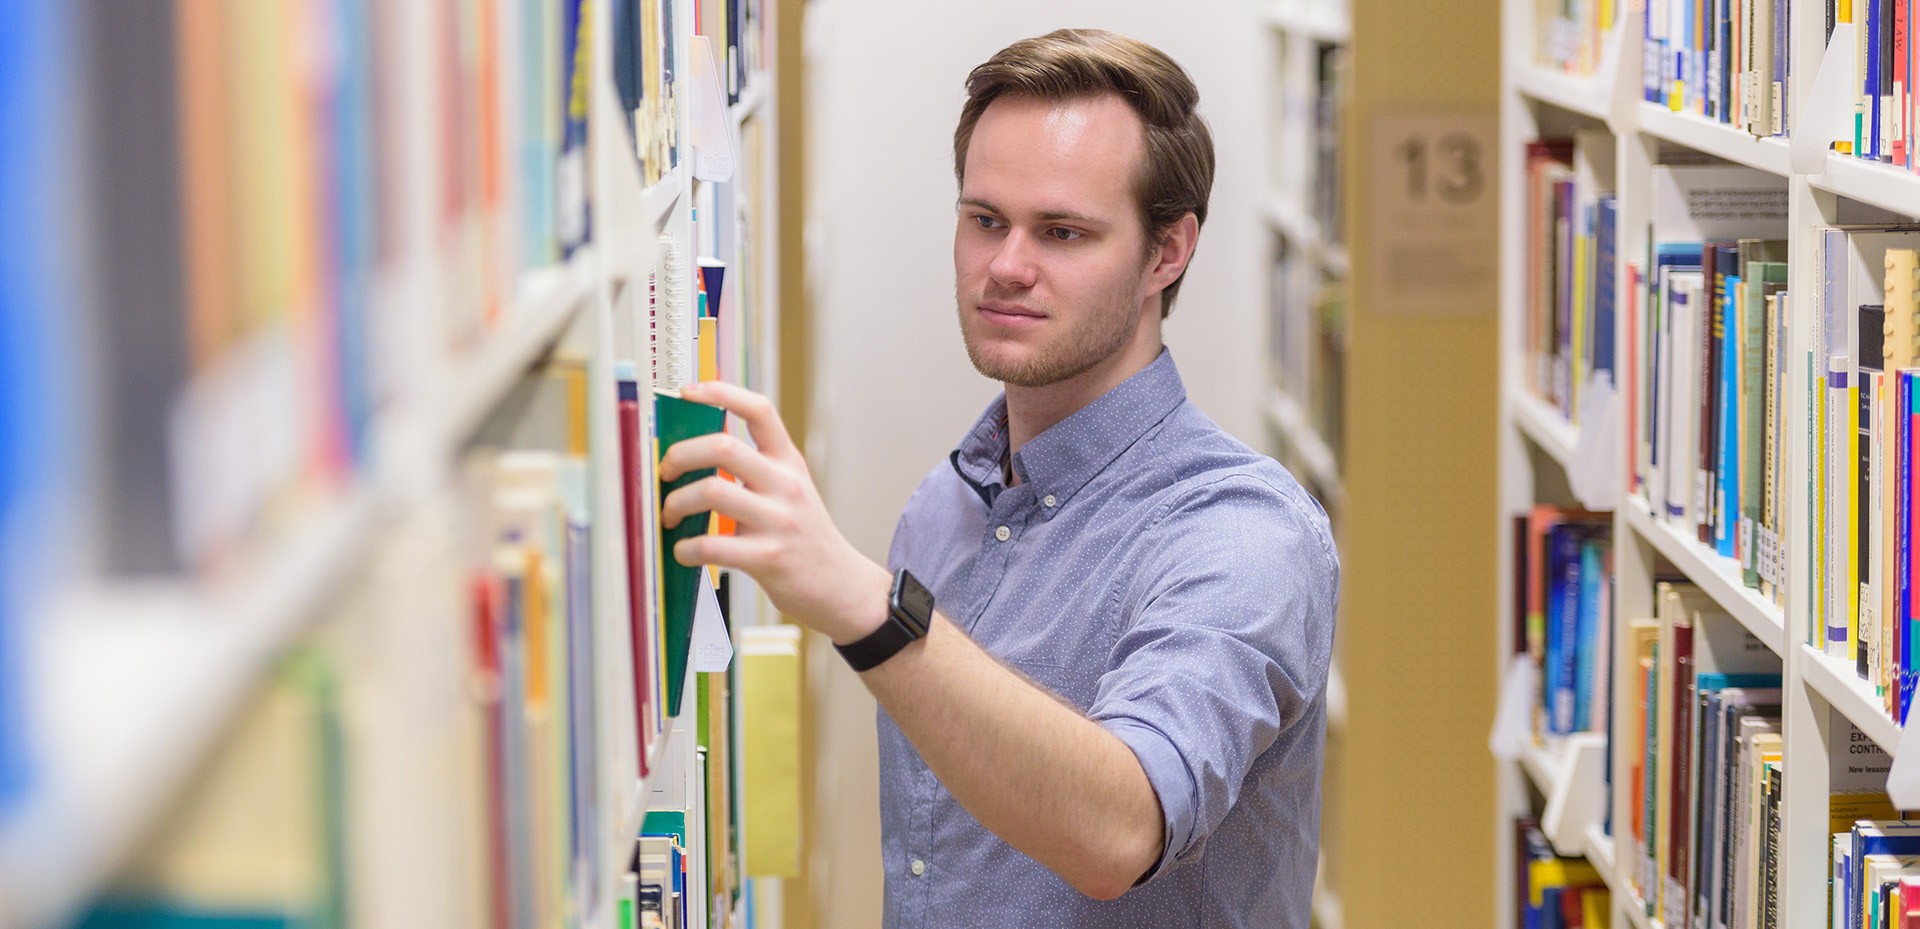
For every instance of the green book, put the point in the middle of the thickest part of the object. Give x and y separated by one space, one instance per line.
1765 273
676 420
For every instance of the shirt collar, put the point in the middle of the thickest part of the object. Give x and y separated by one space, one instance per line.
1061 460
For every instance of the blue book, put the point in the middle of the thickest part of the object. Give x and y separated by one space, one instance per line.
35 415
574 218
1563 605
1606 260
1909 406
1726 519
581 742
539 141
127 915
356 233
1782 67
1668 258
1869 121
1881 838
1587 631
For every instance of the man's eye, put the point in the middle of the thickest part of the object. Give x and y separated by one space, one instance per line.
1063 234
985 222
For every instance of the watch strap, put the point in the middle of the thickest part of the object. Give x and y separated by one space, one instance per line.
877 646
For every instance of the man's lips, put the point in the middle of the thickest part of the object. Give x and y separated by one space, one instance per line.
1010 313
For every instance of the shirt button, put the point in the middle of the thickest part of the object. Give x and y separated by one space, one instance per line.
1003 533
918 867
1049 502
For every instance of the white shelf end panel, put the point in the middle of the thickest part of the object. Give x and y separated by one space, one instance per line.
1842 689
1569 771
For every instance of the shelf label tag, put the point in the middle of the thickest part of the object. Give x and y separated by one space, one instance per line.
1827 115
1513 721
712 647
1433 227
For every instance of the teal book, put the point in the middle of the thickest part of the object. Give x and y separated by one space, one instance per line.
676 420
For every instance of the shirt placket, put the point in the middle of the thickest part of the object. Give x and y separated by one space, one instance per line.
1005 524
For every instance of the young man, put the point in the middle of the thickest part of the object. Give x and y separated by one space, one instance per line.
1100 647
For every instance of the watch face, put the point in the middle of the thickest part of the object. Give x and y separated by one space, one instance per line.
913 604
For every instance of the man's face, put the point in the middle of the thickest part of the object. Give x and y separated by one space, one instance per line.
1049 255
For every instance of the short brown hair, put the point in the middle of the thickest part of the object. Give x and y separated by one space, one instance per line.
1176 175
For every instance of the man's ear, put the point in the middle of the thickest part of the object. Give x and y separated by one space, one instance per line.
1175 251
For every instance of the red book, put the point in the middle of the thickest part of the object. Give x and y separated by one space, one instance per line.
1902 85
638 617
486 644
1680 789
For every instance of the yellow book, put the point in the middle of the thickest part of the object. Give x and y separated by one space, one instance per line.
1900 348
770 773
1546 873
1596 907
709 338
1852 549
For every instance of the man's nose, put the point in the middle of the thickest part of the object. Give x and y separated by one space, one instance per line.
1013 263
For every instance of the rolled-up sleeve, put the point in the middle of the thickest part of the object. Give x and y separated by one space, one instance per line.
1229 648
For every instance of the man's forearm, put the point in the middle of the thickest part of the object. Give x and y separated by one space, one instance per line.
1033 770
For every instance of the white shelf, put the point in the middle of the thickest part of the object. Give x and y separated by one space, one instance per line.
548 301
1636 910
1296 226
145 676
1714 138
1567 771
1582 95
1287 418
1715 574
1315 19
1544 426
751 99
1845 691
657 201
133 685
1884 186
1600 854
1542 767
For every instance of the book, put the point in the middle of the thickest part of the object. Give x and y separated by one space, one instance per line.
634 491
677 420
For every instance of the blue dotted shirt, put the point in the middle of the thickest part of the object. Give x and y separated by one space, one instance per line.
1177 586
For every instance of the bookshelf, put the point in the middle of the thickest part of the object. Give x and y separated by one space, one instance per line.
1306 325
1302 405
140 687
1822 697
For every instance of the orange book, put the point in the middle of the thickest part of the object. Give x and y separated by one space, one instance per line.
206 170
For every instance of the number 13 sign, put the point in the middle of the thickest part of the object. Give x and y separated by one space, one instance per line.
1431 201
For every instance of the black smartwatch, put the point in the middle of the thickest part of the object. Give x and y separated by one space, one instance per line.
909 613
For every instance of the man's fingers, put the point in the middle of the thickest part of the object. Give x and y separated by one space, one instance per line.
740 552
763 421
720 495
722 451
